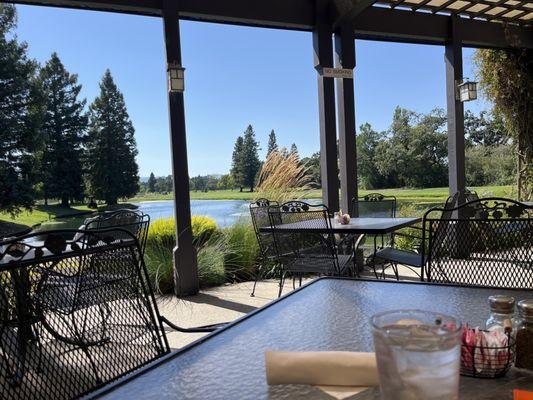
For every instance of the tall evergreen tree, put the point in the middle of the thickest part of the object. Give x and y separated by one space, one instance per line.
63 130
250 157
237 163
19 112
294 151
151 182
112 169
272 143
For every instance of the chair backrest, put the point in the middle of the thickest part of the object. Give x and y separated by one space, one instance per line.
133 221
74 314
260 219
485 242
303 230
375 205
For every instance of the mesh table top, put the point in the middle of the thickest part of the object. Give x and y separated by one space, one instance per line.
369 226
327 314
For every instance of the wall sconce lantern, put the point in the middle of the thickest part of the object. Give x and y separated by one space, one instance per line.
466 90
176 78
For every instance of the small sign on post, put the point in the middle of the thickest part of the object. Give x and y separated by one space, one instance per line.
341 73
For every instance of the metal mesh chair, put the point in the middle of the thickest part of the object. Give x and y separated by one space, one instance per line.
488 242
267 250
415 261
75 314
133 221
375 205
304 240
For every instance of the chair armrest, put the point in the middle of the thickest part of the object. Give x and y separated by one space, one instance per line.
198 329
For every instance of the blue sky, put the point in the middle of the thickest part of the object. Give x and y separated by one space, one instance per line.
235 76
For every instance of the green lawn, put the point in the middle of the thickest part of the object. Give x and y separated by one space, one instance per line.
422 197
433 195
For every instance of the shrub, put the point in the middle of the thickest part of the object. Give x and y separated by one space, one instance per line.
211 259
162 233
242 251
203 228
228 255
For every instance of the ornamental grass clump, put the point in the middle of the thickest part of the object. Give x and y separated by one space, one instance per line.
282 177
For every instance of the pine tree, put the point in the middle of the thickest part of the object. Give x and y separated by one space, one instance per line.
294 151
151 183
112 169
250 158
237 163
19 118
63 130
272 143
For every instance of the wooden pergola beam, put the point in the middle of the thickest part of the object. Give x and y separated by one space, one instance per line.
323 57
413 27
347 10
372 23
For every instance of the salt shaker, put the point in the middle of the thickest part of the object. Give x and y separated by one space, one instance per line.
501 312
524 335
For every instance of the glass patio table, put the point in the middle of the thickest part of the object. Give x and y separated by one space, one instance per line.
326 314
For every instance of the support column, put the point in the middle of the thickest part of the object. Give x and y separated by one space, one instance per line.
323 57
345 58
456 128
185 262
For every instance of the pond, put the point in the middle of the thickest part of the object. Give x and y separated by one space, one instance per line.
224 212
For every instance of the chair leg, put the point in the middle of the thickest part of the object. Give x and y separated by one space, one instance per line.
300 280
257 276
281 282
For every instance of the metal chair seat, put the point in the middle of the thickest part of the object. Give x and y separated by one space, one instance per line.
401 257
318 264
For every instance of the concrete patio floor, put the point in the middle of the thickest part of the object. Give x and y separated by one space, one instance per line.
227 303
220 304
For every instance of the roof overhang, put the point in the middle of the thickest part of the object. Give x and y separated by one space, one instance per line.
369 22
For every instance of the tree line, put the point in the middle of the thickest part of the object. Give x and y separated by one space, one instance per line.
52 146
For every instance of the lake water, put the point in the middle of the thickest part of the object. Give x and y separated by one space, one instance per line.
224 212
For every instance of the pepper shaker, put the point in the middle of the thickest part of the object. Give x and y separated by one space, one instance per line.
524 335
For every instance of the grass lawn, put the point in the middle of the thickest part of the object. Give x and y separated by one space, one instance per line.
421 196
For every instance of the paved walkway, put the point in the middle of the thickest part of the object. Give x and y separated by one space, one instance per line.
226 303
219 304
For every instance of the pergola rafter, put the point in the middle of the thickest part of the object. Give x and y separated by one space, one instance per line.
499 24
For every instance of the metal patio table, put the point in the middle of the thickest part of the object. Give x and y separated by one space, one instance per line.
326 314
358 226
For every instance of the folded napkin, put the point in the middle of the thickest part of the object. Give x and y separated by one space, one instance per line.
341 374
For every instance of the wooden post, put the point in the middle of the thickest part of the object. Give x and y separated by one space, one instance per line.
345 58
456 127
185 262
323 57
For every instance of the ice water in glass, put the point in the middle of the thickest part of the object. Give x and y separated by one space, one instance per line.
418 355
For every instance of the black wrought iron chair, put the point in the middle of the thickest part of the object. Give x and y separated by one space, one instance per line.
486 242
260 219
373 205
75 314
412 259
304 241
133 221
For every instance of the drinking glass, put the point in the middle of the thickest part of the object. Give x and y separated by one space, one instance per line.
418 355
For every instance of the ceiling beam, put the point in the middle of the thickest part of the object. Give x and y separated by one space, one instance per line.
282 14
347 10
374 23
383 24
